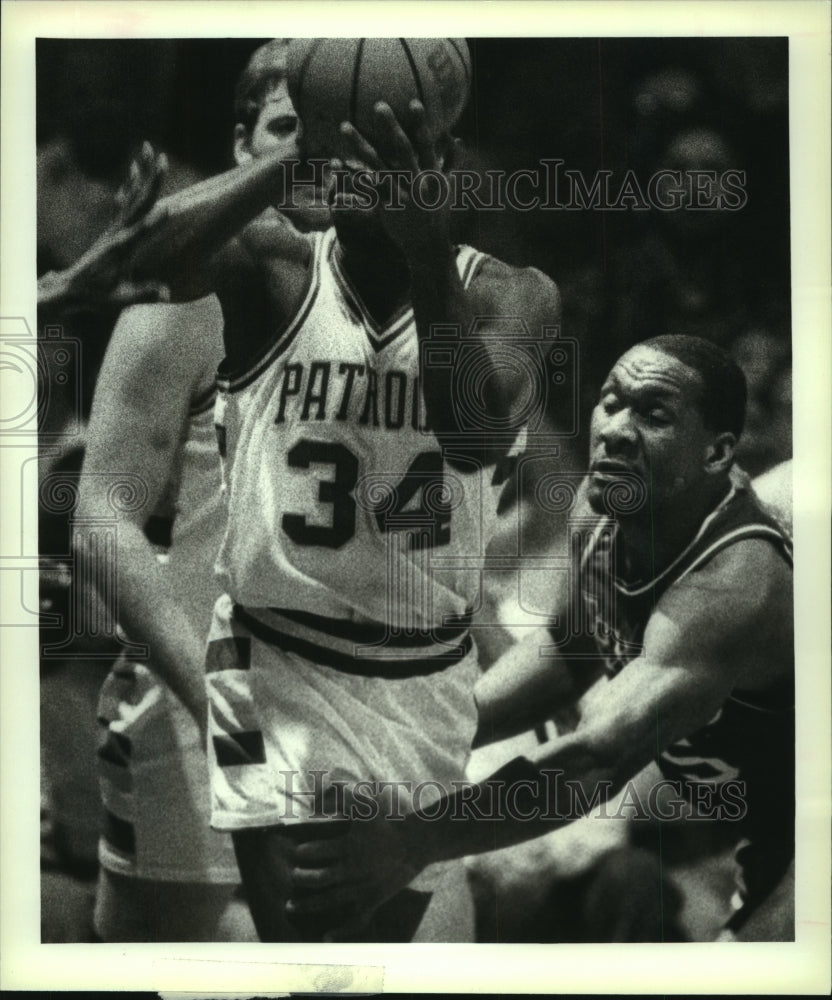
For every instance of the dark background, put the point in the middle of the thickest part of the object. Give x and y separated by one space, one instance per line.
597 104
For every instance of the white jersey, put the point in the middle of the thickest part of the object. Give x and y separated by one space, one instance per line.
341 504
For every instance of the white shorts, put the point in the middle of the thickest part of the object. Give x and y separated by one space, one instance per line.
155 785
285 731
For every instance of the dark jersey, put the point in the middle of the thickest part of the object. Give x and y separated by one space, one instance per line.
619 610
750 740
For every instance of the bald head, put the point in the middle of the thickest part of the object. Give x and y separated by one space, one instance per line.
723 388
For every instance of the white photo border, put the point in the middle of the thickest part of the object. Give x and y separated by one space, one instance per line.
211 969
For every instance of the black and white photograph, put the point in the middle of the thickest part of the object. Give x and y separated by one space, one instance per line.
416 494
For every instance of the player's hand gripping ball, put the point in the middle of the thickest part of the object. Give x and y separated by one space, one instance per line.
332 80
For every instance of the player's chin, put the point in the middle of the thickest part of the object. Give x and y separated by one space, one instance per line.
602 487
352 216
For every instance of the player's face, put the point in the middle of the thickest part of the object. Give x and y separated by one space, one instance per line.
355 225
275 131
648 423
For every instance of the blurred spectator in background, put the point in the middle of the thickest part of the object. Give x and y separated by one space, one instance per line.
765 359
686 274
97 279
80 166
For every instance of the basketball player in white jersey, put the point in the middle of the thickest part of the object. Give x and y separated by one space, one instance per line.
687 599
360 499
358 513
165 875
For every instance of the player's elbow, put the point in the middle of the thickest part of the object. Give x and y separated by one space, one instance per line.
95 536
88 511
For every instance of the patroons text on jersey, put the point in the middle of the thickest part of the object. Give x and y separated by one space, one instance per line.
350 391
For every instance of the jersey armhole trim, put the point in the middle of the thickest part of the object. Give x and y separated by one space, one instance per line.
472 265
203 400
236 380
746 531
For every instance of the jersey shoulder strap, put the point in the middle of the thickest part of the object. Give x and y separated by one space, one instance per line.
468 262
233 381
739 516
742 517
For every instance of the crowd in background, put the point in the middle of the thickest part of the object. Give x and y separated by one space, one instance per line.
596 105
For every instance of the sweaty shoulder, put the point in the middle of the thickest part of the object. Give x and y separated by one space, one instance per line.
774 490
754 561
501 289
738 607
169 342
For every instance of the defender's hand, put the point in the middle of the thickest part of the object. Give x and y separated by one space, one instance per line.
364 867
140 192
99 279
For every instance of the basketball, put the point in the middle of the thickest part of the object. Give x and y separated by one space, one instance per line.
341 79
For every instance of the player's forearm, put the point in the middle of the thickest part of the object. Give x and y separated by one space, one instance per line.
441 306
53 289
523 800
201 219
147 609
439 301
522 689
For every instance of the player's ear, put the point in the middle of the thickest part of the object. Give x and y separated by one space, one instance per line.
242 146
720 453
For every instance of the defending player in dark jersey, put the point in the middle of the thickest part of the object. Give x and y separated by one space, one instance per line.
686 596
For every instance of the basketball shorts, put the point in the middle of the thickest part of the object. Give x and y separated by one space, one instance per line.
286 735
154 783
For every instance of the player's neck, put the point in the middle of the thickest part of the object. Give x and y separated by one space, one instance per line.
378 273
651 540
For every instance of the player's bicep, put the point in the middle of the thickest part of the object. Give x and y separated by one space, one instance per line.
689 664
647 707
514 299
686 670
139 409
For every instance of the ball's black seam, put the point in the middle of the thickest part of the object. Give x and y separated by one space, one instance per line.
414 69
463 60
